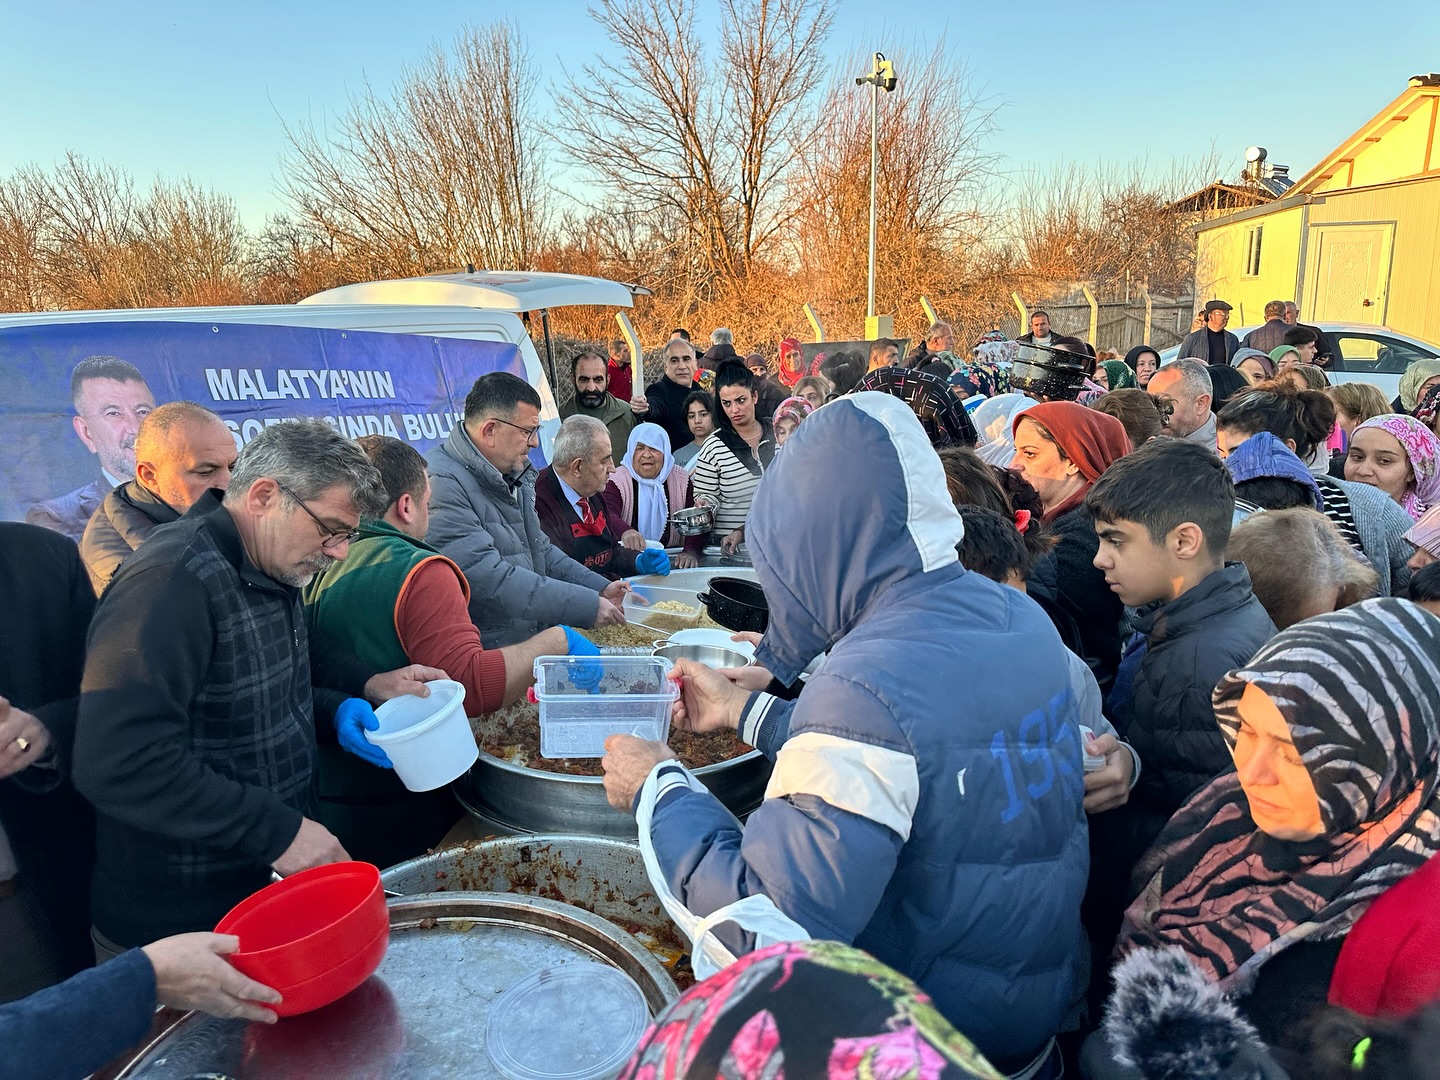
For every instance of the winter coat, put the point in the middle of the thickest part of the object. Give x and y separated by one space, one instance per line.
47 600
1267 337
617 416
74 1028
1195 346
68 514
520 583
666 398
1381 524
196 733
716 355
1082 593
124 521
929 814
1192 642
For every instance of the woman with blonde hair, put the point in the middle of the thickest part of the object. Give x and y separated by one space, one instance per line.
1356 402
1300 566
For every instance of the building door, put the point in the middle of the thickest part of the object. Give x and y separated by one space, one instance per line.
1349 273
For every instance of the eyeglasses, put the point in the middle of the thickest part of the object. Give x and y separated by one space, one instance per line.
530 432
333 537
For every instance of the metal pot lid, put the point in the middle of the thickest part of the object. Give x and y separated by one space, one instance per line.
424 1013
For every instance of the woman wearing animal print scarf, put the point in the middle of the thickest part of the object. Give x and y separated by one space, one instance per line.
1259 876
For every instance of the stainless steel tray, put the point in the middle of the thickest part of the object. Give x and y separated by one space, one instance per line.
423 1013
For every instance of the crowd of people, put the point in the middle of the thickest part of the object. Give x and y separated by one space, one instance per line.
1125 725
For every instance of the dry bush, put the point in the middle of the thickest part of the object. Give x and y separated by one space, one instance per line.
445 172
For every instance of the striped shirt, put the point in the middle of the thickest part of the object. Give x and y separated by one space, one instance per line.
718 473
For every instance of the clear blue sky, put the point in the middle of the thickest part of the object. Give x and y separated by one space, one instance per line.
184 88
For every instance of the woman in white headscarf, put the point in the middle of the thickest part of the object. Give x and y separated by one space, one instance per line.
645 490
995 421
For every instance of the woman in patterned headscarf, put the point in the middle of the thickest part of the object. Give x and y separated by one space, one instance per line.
805 1009
1428 411
945 420
1400 456
1258 877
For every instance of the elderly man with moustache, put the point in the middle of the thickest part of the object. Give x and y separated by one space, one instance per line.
182 451
197 727
572 512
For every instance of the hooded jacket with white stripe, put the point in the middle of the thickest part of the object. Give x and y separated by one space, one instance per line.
926 803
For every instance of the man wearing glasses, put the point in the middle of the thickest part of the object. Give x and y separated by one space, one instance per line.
196 735
482 517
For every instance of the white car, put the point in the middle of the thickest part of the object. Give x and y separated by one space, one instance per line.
1373 354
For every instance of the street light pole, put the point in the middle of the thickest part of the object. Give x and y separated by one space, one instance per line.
882 76
874 168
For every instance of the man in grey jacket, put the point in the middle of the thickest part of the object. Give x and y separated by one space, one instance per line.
482 516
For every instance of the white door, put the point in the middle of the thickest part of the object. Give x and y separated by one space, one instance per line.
1349 273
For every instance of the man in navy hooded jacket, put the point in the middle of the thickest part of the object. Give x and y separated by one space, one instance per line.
926 803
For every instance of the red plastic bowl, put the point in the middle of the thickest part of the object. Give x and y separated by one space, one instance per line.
334 984
312 928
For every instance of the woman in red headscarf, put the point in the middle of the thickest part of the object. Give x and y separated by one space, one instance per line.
1061 449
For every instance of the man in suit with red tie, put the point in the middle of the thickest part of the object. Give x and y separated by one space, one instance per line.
571 511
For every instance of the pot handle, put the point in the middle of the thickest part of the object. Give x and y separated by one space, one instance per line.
705 598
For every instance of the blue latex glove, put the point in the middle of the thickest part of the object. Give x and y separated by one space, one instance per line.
353 718
653 561
587 673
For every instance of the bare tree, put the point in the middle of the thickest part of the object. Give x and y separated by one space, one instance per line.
701 139
445 172
1109 226
932 200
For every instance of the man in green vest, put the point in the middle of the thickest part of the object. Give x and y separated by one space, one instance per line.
395 596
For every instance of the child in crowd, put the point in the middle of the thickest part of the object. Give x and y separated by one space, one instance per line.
1163 516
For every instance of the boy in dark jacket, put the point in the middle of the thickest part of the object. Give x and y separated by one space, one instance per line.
1163 516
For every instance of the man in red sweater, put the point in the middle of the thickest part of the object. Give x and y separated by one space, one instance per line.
395 596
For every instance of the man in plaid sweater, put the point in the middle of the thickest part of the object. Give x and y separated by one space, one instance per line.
196 737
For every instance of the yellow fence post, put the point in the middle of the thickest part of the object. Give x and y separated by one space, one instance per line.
1149 313
1094 314
929 310
809 310
1024 312
637 361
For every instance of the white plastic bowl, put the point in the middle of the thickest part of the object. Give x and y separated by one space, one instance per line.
428 739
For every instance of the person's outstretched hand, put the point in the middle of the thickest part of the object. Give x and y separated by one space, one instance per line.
609 614
708 701
653 561
586 673
627 762
1108 788
191 974
353 718
410 679
314 845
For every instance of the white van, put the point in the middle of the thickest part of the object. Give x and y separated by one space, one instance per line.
386 357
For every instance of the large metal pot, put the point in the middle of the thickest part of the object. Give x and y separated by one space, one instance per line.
534 801
423 1013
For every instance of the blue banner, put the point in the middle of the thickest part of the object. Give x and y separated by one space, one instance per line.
72 395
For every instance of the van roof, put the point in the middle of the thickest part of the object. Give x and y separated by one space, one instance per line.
406 318
502 290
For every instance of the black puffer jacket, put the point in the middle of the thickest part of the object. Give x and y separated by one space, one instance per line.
1069 574
1193 642
124 521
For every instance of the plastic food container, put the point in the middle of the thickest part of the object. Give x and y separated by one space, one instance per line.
641 602
428 739
314 936
586 699
577 1021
